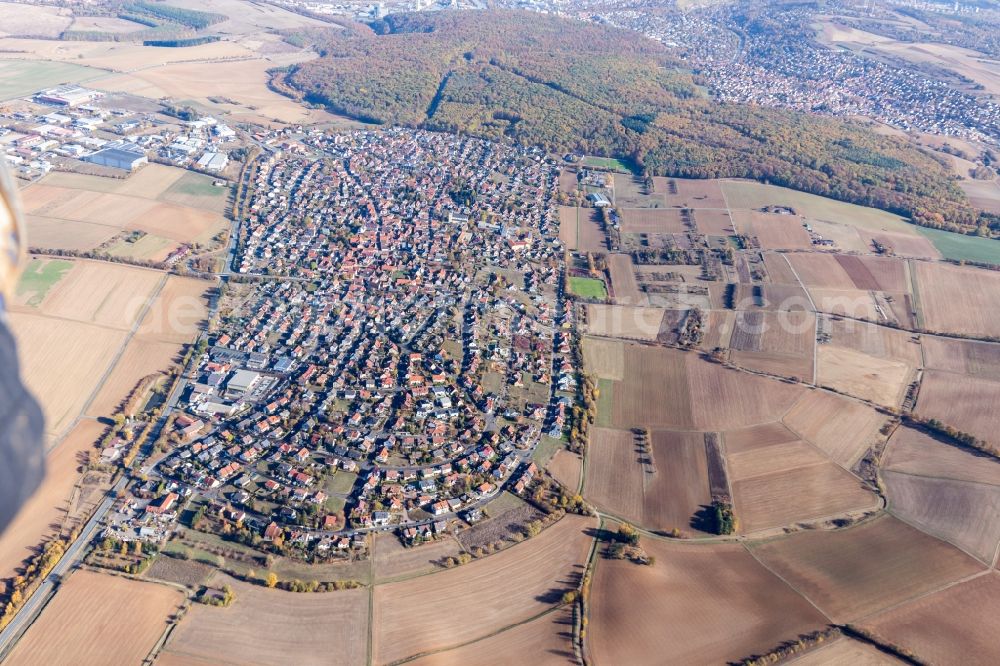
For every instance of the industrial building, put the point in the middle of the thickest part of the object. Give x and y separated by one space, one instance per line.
119 155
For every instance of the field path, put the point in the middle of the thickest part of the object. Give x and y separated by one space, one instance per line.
812 304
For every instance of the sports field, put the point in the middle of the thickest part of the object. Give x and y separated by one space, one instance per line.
588 287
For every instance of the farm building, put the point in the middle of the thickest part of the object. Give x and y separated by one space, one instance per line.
599 199
119 155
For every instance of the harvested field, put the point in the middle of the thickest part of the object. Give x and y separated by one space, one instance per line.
916 452
767 434
718 329
62 364
841 427
394 560
37 21
697 604
149 182
567 225
903 244
880 380
965 514
623 281
196 190
673 389
101 293
956 299
54 234
546 641
179 223
624 321
661 491
977 359
877 341
963 402
604 358
821 270
876 273
760 459
690 193
568 181
245 81
566 468
713 222
140 359
811 491
845 651
983 194
748 194
590 235
179 312
653 221
773 231
779 343
264 627
104 24
854 572
98 619
958 625
778 269
50 508
854 303
188 573
434 612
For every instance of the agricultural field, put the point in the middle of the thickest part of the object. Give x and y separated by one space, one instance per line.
652 221
966 357
960 512
39 21
546 641
919 453
773 231
963 402
81 212
696 604
39 276
52 508
624 321
244 81
854 572
394 560
687 193
666 388
99 619
840 427
568 226
960 247
957 625
20 78
879 380
431 613
566 467
768 465
623 282
63 365
779 343
661 489
604 358
263 627
956 299
752 195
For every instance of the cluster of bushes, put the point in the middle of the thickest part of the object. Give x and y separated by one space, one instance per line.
789 649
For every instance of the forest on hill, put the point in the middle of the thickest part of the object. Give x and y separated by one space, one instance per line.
572 86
